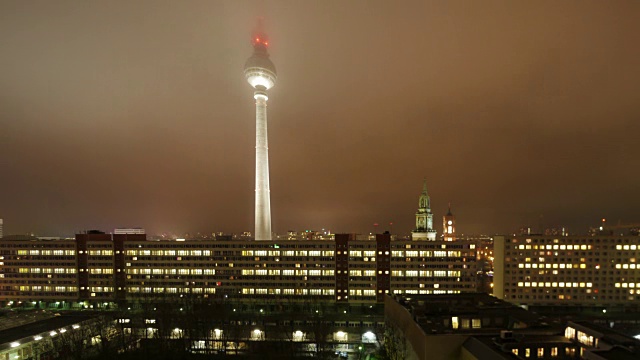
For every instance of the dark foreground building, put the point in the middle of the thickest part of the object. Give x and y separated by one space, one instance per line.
479 327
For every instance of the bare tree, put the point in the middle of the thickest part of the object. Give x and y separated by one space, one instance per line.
394 344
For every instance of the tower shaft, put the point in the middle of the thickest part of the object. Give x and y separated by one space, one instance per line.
263 196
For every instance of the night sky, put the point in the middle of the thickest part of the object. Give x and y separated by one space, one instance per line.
120 114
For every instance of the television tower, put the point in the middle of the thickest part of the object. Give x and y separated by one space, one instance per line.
261 75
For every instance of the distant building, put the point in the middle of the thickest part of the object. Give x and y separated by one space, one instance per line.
1 228
424 218
129 231
598 271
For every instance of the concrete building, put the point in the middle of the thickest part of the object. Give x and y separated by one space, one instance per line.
600 271
99 267
261 75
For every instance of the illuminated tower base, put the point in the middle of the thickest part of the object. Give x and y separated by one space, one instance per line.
263 196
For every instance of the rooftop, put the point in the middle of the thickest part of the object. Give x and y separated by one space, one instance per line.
434 313
39 327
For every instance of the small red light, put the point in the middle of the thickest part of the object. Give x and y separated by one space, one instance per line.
266 43
257 39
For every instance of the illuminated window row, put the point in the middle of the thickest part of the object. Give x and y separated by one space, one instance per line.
555 284
101 271
362 273
171 271
168 252
554 247
353 292
627 247
47 270
47 252
627 266
101 252
49 288
101 289
413 291
170 290
359 253
263 291
425 273
291 272
437 253
287 253
550 266
628 285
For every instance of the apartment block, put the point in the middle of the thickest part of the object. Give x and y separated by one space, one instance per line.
349 269
599 271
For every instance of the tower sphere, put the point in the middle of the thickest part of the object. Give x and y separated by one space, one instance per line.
259 70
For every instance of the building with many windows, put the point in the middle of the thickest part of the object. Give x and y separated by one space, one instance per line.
102 267
597 271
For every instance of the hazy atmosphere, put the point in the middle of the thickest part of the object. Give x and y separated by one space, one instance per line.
122 114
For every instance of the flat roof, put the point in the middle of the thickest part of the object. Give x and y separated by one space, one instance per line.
43 326
430 311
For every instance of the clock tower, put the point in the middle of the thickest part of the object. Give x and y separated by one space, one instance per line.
424 218
449 226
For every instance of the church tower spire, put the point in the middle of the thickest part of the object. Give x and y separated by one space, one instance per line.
424 218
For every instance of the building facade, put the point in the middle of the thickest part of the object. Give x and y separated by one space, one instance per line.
600 271
115 267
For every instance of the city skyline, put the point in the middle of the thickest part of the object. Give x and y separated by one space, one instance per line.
136 115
